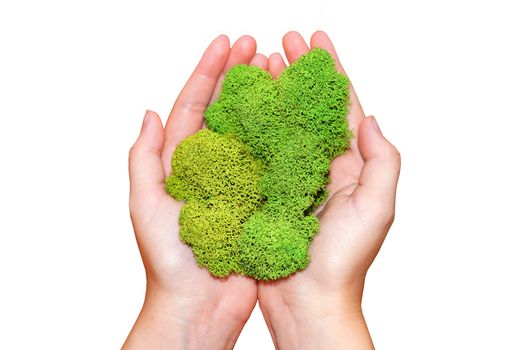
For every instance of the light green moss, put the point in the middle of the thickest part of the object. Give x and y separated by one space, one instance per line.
293 127
218 178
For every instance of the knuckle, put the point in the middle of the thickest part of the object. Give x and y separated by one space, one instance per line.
192 106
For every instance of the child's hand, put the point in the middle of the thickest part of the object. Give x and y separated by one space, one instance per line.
185 307
320 307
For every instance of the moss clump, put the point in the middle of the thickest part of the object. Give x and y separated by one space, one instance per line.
218 178
292 127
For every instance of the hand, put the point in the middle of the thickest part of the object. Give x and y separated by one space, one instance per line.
320 307
185 307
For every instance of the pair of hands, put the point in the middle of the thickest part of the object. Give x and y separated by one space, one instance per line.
320 307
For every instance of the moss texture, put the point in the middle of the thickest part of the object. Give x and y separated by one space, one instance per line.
218 178
270 151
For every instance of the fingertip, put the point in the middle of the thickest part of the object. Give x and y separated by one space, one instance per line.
375 126
276 64
146 119
382 165
367 125
155 120
287 34
294 46
153 117
150 114
248 38
364 135
275 55
320 39
242 52
223 40
246 44
318 34
372 142
220 46
260 61
151 132
291 35
145 163
214 57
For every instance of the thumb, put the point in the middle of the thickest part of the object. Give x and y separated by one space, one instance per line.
146 172
378 180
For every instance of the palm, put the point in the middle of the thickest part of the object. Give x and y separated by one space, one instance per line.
337 250
173 267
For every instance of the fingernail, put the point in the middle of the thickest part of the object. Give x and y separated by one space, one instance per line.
375 125
147 118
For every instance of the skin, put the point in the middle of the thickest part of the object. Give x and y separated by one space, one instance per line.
187 308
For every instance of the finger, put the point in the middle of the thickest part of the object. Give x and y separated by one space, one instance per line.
186 117
294 46
242 52
260 61
378 180
146 172
276 64
321 40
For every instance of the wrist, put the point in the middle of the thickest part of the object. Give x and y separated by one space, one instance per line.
321 320
168 321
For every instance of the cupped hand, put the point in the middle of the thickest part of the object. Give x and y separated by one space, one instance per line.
185 307
320 307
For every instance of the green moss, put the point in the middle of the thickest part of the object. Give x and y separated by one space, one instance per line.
218 178
289 130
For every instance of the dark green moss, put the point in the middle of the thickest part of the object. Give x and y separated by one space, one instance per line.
293 127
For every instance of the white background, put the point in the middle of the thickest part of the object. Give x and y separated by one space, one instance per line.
444 79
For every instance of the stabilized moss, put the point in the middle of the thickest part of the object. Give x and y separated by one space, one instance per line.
218 178
287 131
